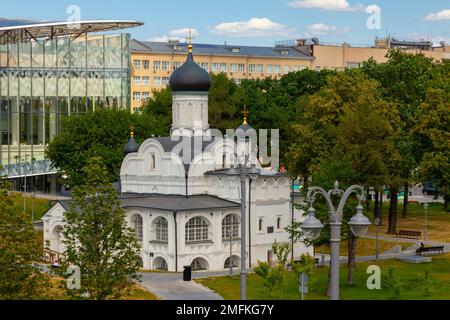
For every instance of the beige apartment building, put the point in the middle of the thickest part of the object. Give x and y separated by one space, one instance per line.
152 63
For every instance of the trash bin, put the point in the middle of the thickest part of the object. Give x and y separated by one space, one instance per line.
187 273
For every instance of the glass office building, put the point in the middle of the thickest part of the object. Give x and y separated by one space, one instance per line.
44 80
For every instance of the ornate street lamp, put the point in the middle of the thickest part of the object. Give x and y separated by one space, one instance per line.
312 226
242 169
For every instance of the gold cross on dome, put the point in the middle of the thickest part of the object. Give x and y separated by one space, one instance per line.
132 131
245 113
189 40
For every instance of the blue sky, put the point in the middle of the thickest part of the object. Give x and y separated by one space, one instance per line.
254 22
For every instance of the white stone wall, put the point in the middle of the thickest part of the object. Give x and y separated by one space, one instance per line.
189 113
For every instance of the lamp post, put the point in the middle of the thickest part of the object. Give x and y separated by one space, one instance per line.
377 225
312 226
425 227
230 261
243 170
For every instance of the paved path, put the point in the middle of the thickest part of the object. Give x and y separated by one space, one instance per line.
170 286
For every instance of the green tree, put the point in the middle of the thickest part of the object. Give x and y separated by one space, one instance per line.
100 133
97 239
275 275
20 279
432 128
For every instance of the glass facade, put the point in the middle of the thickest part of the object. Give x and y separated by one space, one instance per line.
43 81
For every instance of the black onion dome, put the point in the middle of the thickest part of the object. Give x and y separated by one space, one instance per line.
132 146
190 77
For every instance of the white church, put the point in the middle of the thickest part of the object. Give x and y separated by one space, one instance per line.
182 202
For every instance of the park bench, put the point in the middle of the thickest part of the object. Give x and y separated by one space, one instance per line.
409 234
437 249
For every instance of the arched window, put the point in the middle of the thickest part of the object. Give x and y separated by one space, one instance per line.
136 224
160 264
152 164
199 264
260 225
230 227
197 229
162 230
279 223
234 262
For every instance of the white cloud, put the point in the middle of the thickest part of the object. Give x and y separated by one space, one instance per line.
336 5
322 29
441 15
255 27
177 34
164 39
184 32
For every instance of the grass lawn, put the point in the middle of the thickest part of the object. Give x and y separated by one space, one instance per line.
438 221
56 291
40 206
410 275
364 247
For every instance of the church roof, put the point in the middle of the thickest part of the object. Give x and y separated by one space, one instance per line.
169 143
190 77
174 203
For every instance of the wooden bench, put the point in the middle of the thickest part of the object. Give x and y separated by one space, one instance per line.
437 249
409 234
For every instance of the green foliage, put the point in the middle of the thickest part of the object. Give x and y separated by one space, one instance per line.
20 279
97 239
305 265
281 251
393 283
274 278
427 284
101 133
275 275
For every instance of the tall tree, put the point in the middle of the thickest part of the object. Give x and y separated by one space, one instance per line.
97 238
100 133
19 251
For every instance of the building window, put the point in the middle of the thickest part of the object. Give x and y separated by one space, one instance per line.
269 68
223 67
230 227
317 68
136 224
176 65
234 67
165 81
215 67
145 81
136 96
277 68
205 66
165 65
286 69
137 64
137 109
145 64
260 225
241 67
156 65
157 81
136 81
279 223
251 68
197 229
162 230
236 50
152 164
353 65
199 264
259 68
284 52
145 96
